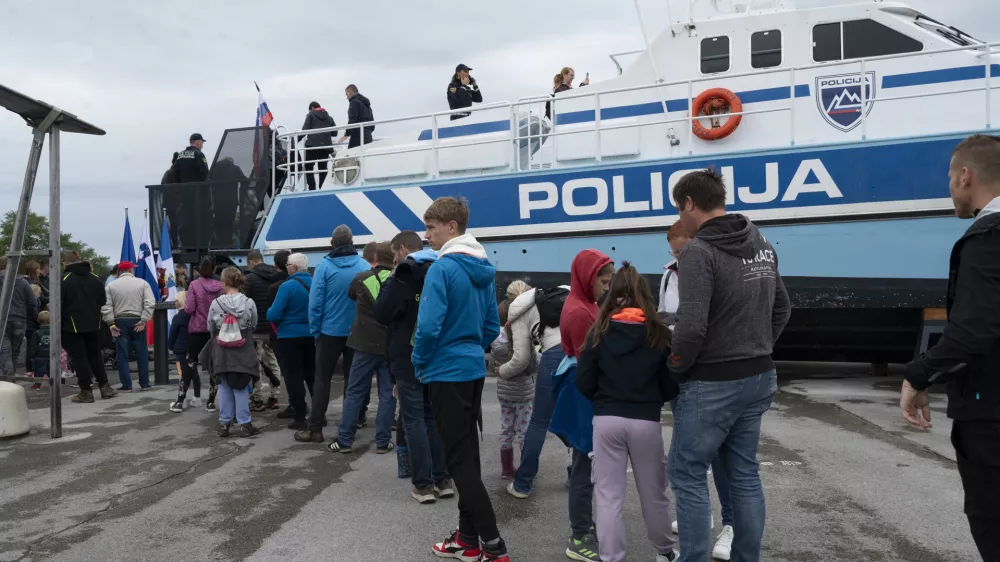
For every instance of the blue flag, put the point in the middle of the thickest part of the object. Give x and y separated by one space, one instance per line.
146 267
128 247
165 261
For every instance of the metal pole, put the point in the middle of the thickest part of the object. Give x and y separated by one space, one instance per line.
791 98
17 237
989 89
597 126
55 287
161 369
864 98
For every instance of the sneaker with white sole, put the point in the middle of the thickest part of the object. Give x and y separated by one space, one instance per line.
424 495
723 546
584 550
177 407
668 557
521 495
444 489
195 403
455 547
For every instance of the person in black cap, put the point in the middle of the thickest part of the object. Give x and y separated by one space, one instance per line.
463 91
191 164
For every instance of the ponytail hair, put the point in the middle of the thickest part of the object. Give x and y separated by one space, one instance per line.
558 79
628 289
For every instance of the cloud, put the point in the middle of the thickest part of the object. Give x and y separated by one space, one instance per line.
153 73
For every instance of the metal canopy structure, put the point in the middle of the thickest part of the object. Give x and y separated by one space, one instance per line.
43 119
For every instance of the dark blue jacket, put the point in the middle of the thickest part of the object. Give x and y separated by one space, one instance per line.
573 415
290 309
179 333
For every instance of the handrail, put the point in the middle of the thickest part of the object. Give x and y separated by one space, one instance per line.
522 107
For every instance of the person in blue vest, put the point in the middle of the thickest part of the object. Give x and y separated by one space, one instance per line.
368 340
331 314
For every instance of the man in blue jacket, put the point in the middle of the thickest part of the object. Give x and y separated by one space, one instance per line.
331 314
456 323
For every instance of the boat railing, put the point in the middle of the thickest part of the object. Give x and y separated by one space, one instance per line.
524 108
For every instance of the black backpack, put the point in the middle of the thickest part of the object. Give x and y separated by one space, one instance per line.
549 302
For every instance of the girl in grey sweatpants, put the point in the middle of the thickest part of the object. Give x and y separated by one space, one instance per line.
623 371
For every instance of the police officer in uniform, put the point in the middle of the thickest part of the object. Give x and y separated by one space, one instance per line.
463 91
191 164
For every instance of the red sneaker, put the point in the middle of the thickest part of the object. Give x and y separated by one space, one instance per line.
496 553
454 547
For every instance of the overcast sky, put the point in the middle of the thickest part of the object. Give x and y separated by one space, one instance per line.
151 74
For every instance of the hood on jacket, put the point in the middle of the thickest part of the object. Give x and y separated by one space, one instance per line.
344 256
414 267
361 99
626 332
464 244
422 256
586 265
211 285
76 269
733 234
521 305
322 116
267 272
235 304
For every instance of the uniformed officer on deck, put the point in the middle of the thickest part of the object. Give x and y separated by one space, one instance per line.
191 164
463 91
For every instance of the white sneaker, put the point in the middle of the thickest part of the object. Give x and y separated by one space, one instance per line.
673 526
195 403
512 491
667 557
177 407
724 546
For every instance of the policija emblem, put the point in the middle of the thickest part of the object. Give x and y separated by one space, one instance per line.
839 98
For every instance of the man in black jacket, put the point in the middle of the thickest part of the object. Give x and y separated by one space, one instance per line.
359 110
82 298
396 308
463 91
258 289
23 313
191 164
967 356
319 146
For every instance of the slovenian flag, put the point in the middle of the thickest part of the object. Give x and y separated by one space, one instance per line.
165 261
146 266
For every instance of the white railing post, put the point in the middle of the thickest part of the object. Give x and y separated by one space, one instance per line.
515 135
864 98
690 118
989 90
597 126
434 146
791 105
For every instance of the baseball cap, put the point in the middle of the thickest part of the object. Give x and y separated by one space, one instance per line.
462 67
196 137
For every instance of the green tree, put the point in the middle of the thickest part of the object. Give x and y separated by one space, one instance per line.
36 237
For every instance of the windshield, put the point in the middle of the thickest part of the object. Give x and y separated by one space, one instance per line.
949 32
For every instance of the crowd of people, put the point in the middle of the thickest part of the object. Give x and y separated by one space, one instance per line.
594 363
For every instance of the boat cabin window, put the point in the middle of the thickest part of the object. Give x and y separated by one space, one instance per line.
765 49
714 55
859 39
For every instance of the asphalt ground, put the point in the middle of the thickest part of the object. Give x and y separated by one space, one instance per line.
845 479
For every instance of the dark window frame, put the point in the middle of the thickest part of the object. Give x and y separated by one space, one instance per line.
780 51
728 56
843 43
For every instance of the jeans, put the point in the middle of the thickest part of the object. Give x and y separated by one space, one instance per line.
328 352
321 167
720 418
130 338
422 438
457 410
979 467
297 357
233 403
362 368
721 482
10 348
538 427
85 350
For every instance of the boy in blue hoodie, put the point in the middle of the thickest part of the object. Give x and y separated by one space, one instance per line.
456 323
331 314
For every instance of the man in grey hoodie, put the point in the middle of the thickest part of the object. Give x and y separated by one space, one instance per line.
733 307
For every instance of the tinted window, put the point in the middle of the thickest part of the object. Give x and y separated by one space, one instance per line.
826 42
714 55
765 49
869 38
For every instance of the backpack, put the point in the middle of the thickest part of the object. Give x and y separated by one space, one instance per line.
230 334
549 302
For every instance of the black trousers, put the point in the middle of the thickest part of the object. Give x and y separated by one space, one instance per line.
323 155
977 448
297 359
85 350
329 349
457 410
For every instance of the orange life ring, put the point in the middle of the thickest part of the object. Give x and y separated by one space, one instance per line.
711 102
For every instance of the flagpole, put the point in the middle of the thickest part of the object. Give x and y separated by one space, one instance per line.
256 86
